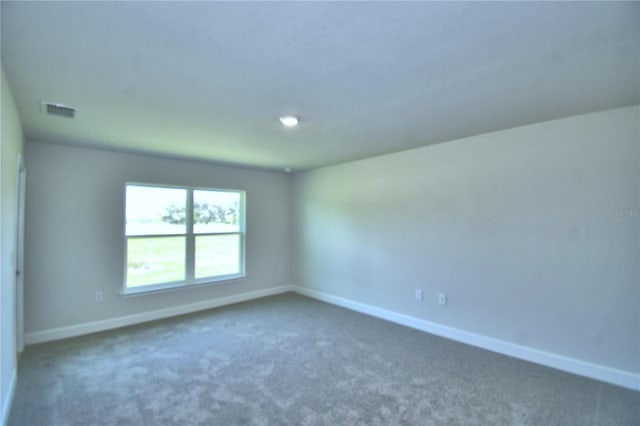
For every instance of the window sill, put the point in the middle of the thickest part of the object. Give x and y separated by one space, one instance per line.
170 287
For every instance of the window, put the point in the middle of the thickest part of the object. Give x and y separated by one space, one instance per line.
180 236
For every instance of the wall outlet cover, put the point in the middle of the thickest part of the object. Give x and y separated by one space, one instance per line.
442 298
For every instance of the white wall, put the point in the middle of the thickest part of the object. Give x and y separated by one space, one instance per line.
514 226
12 146
74 232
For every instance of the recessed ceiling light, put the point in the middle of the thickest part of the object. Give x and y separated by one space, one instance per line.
289 121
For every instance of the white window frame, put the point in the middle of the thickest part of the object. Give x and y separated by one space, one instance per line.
190 240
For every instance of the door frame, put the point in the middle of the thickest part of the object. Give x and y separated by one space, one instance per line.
21 180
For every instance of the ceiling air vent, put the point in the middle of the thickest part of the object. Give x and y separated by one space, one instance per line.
58 109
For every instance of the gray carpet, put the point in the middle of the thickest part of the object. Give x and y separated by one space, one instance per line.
290 360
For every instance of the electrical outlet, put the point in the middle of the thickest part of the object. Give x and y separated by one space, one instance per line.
99 295
419 295
442 298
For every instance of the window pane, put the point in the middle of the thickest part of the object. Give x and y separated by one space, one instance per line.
155 260
156 211
217 255
216 211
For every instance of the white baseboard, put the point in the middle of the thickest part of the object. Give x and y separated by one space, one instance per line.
111 323
594 371
8 400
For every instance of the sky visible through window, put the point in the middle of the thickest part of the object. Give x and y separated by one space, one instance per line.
147 206
162 211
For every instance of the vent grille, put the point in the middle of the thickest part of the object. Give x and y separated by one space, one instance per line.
58 109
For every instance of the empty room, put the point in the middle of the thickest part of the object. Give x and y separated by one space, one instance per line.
320 213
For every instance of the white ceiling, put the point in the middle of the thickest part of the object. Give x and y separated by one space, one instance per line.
209 80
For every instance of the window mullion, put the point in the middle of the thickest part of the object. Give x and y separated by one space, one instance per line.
191 245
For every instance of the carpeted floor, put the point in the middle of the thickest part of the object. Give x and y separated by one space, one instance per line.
290 360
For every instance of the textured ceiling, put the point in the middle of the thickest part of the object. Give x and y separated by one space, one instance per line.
209 80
